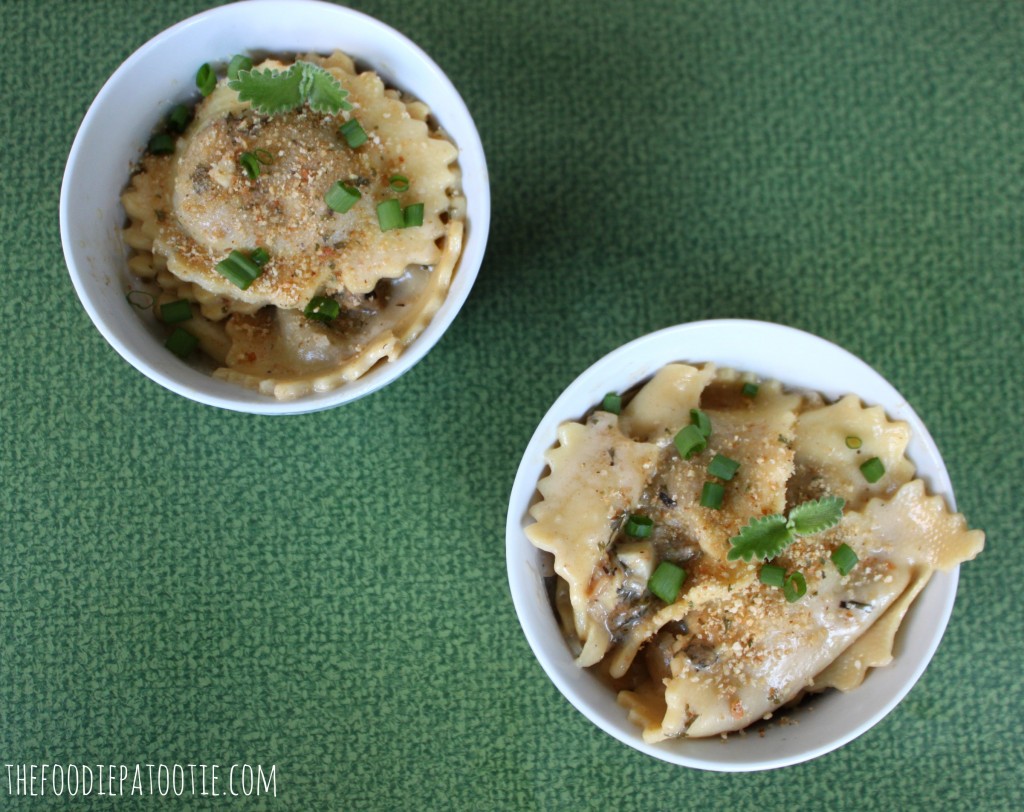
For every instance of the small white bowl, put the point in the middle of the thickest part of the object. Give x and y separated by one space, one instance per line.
797 360
161 74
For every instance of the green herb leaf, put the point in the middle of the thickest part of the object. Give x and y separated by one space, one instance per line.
272 91
322 91
762 538
816 516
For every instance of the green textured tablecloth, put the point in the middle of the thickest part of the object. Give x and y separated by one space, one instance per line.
327 593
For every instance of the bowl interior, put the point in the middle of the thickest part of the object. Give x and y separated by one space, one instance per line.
161 74
798 360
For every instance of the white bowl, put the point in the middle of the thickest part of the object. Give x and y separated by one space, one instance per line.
162 73
796 359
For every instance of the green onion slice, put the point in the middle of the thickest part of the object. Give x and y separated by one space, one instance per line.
712 494
844 558
666 581
612 403
353 133
639 527
412 216
179 118
322 308
181 343
239 269
795 587
749 390
701 421
689 441
260 256
161 144
399 183
341 198
723 467
772 575
238 63
389 215
251 164
853 442
141 299
206 79
173 312
873 470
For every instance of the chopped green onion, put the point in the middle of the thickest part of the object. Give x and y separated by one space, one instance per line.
238 63
145 303
853 442
353 133
412 216
322 308
181 343
251 164
389 215
795 587
873 470
399 183
206 79
179 118
772 575
173 312
701 421
712 494
341 198
612 403
239 269
723 467
639 527
749 390
260 256
844 558
666 581
161 144
689 441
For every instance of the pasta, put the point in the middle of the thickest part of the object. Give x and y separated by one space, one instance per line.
190 210
625 498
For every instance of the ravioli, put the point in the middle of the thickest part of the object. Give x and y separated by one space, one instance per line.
190 209
730 649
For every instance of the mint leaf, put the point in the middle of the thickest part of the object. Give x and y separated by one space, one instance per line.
270 91
273 91
816 515
323 92
762 538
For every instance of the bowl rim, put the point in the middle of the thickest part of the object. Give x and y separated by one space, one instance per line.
652 351
478 218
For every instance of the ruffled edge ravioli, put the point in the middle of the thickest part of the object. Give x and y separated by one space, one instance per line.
299 356
730 650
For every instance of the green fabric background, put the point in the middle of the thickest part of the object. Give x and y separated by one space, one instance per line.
327 593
